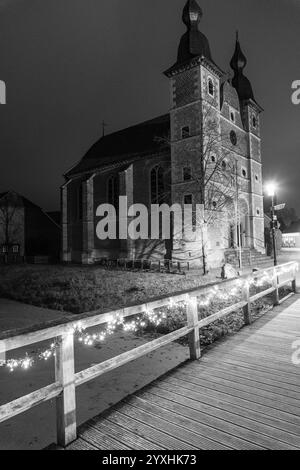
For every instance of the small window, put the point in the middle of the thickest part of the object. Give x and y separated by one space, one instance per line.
185 132
211 88
244 173
214 204
224 165
233 138
232 115
256 177
188 199
15 249
213 159
187 173
254 122
4 249
257 211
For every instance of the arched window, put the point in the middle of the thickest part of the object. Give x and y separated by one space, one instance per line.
211 88
157 185
113 191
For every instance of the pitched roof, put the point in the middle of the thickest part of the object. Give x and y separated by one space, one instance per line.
146 138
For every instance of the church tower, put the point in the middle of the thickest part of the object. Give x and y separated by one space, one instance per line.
250 112
195 97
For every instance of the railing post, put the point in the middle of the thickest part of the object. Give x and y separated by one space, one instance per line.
192 320
66 402
294 281
247 307
276 293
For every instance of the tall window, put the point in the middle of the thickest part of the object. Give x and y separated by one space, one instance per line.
211 88
79 202
157 185
187 173
113 191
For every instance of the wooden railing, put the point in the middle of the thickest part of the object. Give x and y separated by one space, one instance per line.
66 380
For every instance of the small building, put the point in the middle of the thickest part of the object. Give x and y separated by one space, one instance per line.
291 237
27 233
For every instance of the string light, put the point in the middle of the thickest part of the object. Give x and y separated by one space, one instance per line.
149 317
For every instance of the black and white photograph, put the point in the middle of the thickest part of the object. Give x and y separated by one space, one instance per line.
150 228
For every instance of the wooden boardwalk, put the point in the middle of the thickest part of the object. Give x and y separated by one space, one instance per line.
243 394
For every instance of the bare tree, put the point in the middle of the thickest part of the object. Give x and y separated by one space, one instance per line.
10 223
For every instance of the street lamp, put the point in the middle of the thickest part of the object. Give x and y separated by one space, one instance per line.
271 191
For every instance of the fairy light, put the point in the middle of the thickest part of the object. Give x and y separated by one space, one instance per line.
149 317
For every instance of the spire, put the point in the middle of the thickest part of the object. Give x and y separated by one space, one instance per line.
239 81
193 43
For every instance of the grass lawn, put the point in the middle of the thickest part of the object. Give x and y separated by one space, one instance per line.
79 289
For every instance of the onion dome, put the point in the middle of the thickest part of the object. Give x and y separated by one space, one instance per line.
193 43
239 81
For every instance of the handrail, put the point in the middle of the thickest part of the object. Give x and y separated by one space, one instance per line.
66 380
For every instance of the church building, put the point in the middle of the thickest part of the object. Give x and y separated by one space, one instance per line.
205 150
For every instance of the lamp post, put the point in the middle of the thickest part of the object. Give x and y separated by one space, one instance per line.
271 191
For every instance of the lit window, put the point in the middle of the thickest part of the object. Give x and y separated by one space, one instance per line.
211 88
15 248
187 173
185 132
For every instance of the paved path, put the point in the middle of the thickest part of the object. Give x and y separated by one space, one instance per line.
243 394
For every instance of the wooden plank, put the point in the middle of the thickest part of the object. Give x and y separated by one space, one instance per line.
236 398
225 418
66 402
81 444
240 375
217 403
276 365
223 313
194 336
247 306
99 439
256 366
25 403
191 421
129 356
292 403
185 436
260 295
220 386
242 433
155 435
124 436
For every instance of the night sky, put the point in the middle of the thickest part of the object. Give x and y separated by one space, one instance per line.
69 64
